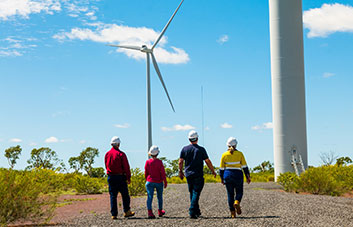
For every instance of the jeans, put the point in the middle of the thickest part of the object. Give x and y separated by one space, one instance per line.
117 183
195 185
150 186
234 186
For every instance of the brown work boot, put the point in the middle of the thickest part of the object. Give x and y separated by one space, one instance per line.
114 217
232 214
237 206
129 214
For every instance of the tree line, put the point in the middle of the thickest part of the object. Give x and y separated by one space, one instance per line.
46 158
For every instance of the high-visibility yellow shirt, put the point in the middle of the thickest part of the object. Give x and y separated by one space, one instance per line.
233 161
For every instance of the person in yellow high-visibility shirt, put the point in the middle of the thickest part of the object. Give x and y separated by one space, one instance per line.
232 166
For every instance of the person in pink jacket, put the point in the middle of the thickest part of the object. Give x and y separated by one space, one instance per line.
155 177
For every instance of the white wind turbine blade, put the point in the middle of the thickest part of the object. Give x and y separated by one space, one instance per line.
161 79
165 28
125 47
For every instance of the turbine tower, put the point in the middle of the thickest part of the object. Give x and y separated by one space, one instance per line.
149 54
288 85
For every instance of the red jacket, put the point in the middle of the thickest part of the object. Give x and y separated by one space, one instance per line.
116 163
154 171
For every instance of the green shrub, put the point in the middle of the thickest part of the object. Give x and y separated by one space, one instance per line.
88 185
138 181
22 198
266 176
209 178
322 181
289 181
176 180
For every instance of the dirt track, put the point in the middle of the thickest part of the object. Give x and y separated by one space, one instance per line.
263 205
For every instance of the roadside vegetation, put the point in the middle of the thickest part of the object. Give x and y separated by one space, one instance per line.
31 194
328 179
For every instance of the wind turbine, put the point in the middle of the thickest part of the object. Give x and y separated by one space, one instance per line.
149 54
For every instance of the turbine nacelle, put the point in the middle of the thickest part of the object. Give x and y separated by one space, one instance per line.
145 49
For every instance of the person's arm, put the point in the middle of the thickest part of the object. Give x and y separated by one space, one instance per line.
164 177
181 165
245 169
221 169
210 166
146 170
127 169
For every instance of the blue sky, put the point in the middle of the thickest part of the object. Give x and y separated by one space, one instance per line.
62 88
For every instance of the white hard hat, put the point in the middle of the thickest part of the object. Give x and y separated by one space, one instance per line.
154 150
115 140
232 141
193 135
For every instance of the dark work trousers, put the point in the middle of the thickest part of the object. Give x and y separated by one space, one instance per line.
195 185
234 185
117 183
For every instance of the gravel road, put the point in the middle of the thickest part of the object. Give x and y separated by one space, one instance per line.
264 204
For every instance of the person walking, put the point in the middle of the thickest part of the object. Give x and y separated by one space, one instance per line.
194 156
119 176
155 179
232 167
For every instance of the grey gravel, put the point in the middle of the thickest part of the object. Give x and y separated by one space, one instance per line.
263 204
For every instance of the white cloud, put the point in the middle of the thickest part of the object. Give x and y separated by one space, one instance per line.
327 75
226 125
52 139
10 53
33 144
14 47
267 125
126 125
23 8
178 128
328 19
125 35
15 140
83 141
223 39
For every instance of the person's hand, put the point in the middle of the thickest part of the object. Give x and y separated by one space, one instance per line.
214 174
165 184
248 180
128 181
181 175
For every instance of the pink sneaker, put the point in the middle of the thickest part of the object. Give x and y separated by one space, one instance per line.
161 213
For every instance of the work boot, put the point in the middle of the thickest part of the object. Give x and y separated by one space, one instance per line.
151 215
232 214
114 217
237 206
129 214
161 213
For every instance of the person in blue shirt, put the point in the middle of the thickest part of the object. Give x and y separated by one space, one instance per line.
194 155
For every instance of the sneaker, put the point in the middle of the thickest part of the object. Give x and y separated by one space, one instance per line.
129 214
193 216
151 215
237 206
232 214
114 217
198 214
161 213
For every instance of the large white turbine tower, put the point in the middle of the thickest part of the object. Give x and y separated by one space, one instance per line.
149 54
288 85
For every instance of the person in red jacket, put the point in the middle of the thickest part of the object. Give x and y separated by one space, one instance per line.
119 176
155 177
